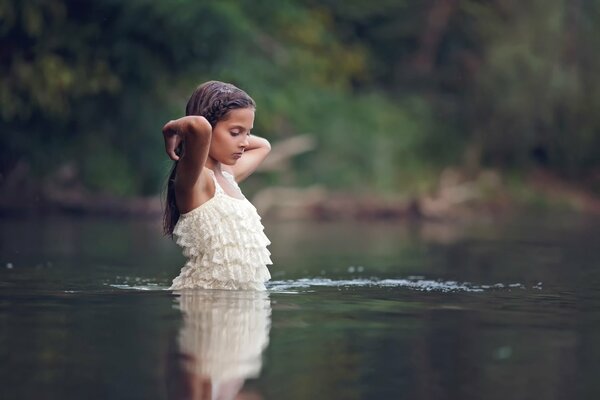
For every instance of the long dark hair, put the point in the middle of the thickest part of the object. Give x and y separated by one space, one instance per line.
212 100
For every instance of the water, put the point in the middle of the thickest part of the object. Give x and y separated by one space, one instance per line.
493 310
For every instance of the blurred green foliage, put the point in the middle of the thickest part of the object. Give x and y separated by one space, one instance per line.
392 90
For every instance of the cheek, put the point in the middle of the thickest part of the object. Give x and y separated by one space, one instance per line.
215 147
220 142
216 140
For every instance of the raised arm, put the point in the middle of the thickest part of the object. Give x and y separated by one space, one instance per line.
192 135
257 150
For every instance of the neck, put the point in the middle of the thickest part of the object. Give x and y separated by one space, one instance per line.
213 164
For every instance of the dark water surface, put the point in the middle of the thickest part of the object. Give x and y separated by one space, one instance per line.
495 310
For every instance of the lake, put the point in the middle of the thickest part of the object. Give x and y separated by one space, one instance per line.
504 309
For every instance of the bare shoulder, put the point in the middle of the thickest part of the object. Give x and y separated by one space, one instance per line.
189 198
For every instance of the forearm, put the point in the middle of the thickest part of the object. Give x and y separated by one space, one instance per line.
258 148
257 142
189 126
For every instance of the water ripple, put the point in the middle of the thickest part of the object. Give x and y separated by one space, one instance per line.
310 284
424 285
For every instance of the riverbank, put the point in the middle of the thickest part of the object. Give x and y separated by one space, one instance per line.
456 196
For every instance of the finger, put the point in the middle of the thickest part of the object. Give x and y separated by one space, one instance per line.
172 155
171 144
171 148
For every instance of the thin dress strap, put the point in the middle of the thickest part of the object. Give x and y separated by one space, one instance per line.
231 179
218 188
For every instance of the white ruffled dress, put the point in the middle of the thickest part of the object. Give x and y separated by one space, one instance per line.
224 243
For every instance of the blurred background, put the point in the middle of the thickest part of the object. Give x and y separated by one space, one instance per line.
382 108
395 125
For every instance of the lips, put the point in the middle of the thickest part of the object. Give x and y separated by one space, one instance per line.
237 155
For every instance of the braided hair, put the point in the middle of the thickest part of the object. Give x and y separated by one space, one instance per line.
213 100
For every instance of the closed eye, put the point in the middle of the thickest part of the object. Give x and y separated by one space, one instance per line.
235 133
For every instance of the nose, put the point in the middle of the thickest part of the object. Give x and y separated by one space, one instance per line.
245 142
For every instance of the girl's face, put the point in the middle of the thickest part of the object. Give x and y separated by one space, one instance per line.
231 136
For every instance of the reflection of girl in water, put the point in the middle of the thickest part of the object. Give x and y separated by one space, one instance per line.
220 344
217 227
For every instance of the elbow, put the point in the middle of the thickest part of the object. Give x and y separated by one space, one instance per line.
267 145
200 127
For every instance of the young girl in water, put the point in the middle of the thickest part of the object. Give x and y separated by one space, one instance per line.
218 229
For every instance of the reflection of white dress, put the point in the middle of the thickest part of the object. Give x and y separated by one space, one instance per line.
225 332
224 242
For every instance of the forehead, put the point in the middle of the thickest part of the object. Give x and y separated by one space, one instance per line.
240 116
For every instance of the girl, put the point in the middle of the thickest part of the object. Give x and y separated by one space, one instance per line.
217 227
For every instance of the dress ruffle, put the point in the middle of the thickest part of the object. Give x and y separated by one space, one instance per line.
226 247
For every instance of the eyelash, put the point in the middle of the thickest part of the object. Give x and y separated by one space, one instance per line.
238 133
